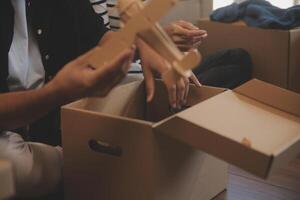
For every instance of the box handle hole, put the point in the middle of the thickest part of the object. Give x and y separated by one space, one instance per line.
105 148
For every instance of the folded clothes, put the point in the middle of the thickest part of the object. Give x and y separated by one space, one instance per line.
259 13
227 68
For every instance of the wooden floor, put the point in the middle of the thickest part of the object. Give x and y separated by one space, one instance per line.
282 185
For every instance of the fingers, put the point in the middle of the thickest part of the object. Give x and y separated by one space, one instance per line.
178 89
187 25
172 95
187 85
184 47
180 92
178 30
195 80
149 81
186 36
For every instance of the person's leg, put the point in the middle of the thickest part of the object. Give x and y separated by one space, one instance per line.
227 68
228 76
37 167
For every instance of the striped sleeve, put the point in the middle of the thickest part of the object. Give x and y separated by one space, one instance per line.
100 8
114 17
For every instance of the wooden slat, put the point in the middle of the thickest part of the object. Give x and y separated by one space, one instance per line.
283 185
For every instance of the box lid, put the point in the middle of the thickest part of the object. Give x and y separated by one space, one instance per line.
255 127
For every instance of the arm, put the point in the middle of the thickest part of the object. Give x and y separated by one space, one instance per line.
20 108
76 80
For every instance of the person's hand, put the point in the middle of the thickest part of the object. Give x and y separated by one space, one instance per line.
78 79
152 62
185 35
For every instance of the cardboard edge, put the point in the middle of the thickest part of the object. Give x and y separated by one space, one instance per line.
271 95
227 149
289 61
242 25
64 109
129 84
219 91
286 154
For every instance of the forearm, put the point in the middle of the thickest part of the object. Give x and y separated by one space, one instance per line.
106 37
18 109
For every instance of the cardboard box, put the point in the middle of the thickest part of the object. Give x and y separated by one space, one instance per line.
136 163
275 53
255 127
7 189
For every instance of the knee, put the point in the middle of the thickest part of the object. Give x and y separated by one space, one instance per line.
243 62
46 173
37 167
243 58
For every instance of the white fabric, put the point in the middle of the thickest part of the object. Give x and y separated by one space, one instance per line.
26 70
37 167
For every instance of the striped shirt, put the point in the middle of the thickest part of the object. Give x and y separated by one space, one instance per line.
100 8
108 11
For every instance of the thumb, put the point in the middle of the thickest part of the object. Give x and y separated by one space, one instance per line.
195 80
187 25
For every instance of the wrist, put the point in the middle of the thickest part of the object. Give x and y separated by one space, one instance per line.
55 94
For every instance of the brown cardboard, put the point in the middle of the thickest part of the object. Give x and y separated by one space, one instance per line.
151 166
275 53
253 113
255 127
294 70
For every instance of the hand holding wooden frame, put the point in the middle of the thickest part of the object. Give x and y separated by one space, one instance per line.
141 21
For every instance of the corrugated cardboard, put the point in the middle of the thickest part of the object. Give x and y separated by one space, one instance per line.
255 127
136 163
275 53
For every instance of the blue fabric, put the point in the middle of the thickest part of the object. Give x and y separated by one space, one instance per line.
259 13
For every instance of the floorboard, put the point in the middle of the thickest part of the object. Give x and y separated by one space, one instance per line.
282 185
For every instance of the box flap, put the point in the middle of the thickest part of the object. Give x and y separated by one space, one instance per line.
159 108
277 97
239 130
124 100
269 49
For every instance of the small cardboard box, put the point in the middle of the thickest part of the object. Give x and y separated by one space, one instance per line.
112 151
121 148
275 53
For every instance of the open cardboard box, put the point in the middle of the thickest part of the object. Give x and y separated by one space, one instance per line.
275 53
255 127
130 161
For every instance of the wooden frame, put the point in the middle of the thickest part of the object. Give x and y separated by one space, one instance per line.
141 21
